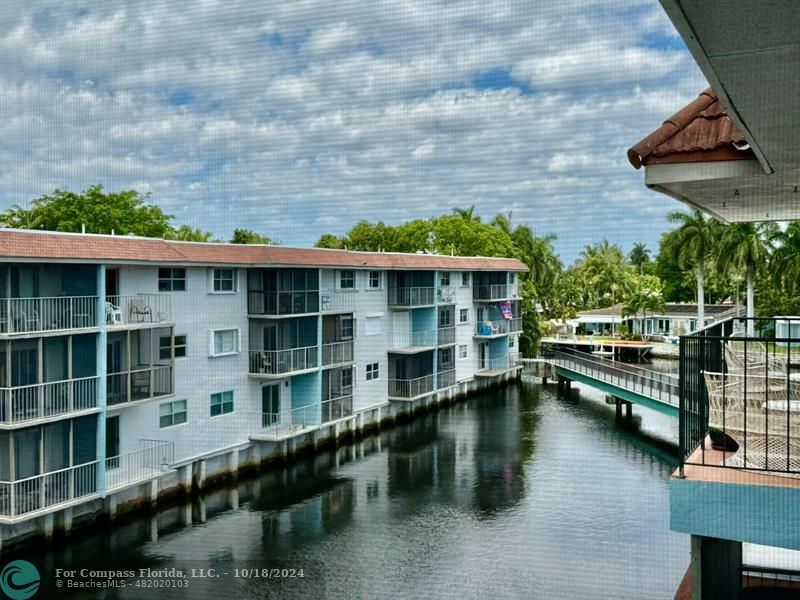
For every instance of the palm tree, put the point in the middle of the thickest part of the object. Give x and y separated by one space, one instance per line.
786 259
693 242
746 247
639 255
468 214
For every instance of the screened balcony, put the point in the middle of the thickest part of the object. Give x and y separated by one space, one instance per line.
337 340
283 348
282 292
140 366
409 289
410 377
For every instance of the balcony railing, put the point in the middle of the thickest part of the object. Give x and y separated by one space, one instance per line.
502 363
282 303
283 362
445 294
446 336
33 315
138 384
410 388
498 291
410 296
446 378
286 423
42 400
337 353
740 394
499 327
51 489
403 340
337 301
134 310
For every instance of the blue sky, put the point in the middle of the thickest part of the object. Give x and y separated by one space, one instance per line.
299 118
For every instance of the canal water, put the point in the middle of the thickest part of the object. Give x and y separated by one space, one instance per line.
518 493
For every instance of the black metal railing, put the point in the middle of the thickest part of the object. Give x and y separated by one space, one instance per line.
740 395
282 303
662 387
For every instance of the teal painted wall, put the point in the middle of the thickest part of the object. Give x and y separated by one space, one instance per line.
768 515
498 347
423 319
307 391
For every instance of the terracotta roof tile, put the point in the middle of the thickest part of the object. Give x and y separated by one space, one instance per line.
43 246
701 130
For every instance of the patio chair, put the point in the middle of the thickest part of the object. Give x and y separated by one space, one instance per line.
113 314
139 310
755 359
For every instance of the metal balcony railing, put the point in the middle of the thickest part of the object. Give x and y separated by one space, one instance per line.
445 294
138 309
410 388
410 296
498 291
446 336
282 303
337 353
446 378
138 384
401 340
153 459
283 362
501 363
740 394
337 300
498 327
19 405
294 421
33 315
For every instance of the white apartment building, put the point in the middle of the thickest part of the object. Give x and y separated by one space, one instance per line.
123 358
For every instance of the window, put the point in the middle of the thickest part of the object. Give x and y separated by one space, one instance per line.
180 346
372 326
463 315
462 351
221 403
375 280
446 318
171 280
347 280
172 413
444 279
165 347
373 371
464 279
224 280
345 328
347 378
446 359
225 341
511 341
512 277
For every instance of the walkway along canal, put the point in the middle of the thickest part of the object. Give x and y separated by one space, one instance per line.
516 493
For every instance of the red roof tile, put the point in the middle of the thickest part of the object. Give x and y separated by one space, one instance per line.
700 131
19 244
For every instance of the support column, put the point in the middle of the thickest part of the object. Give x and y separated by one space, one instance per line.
101 369
716 569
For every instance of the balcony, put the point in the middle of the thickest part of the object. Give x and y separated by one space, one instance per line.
446 379
138 385
409 297
411 342
39 315
497 366
332 301
280 363
446 336
740 396
490 293
501 327
337 353
57 488
445 295
296 421
138 310
279 304
410 389
24 404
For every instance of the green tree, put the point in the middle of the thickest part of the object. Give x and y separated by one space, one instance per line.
184 233
691 244
468 214
246 236
644 294
328 240
639 256
746 248
786 259
123 213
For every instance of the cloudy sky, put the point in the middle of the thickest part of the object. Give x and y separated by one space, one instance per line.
298 118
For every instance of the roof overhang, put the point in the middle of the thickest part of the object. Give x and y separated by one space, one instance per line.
749 52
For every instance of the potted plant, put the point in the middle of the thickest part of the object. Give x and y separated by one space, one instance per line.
721 440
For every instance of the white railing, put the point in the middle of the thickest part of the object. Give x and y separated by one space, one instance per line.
150 461
498 291
447 335
337 353
43 491
138 384
513 290
42 400
445 294
498 327
410 296
410 388
142 308
445 378
499 364
31 315
399 340
337 301
297 420
279 362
